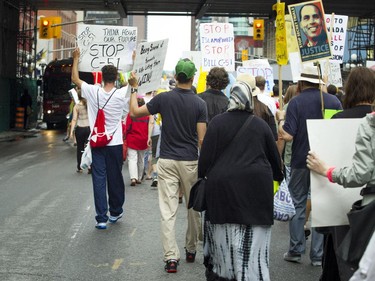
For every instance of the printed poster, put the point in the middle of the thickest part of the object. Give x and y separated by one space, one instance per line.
310 30
338 24
217 45
334 142
149 64
101 45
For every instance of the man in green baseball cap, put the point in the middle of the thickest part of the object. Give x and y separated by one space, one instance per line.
186 67
184 116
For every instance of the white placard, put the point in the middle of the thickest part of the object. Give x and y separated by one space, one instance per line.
149 63
217 45
331 69
258 67
340 24
334 141
101 45
73 94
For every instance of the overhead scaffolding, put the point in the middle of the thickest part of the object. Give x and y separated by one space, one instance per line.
361 39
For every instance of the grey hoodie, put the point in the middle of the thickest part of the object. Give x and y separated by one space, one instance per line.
362 170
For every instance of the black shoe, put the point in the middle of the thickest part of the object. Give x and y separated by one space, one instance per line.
171 266
154 183
307 233
190 257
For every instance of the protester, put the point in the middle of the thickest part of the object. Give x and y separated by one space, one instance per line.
69 122
359 87
106 161
359 173
260 109
263 96
239 215
292 126
26 102
311 23
217 102
137 141
80 127
184 125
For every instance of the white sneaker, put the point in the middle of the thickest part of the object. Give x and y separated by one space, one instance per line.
101 225
114 219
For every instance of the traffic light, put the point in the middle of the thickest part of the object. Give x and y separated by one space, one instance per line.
45 31
258 27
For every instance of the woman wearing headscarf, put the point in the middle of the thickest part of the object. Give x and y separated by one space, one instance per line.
239 191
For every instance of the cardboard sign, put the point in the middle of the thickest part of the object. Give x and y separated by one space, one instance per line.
149 64
333 140
217 45
259 67
101 45
338 24
310 30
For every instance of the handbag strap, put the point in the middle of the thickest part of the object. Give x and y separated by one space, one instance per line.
233 141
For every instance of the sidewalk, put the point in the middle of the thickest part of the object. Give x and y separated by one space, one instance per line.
14 134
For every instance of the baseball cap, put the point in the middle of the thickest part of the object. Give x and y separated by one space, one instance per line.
187 67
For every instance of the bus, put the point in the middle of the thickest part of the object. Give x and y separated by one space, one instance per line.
56 85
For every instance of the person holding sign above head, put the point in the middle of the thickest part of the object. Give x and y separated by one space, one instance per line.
311 23
107 161
184 125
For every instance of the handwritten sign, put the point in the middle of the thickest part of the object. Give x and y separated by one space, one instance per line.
339 27
217 45
311 34
101 45
280 35
149 63
258 67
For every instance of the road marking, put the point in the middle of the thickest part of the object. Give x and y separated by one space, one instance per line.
133 232
117 264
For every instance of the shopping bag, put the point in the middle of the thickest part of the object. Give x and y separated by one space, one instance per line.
283 207
86 159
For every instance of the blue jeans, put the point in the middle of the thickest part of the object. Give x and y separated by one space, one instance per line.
299 187
106 169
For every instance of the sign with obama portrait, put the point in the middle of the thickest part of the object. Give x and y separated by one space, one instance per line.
310 30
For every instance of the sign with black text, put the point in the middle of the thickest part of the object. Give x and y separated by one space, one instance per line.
101 45
149 64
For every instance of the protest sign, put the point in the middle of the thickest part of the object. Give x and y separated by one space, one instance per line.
258 67
149 63
101 45
280 34
310 30
217 45
330 69
333 140
338 35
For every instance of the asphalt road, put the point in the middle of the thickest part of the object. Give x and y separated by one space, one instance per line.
47 224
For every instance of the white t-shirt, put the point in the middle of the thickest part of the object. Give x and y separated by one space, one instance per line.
113 111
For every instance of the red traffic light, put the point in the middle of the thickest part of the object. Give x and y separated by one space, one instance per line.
45 22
